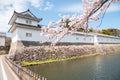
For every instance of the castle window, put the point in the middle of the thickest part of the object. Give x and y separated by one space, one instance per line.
77 38
28 21
28 34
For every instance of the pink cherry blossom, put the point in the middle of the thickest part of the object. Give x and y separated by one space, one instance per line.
91 12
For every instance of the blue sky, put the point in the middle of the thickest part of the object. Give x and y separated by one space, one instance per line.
51 10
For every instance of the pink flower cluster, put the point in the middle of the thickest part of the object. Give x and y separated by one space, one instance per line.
91 11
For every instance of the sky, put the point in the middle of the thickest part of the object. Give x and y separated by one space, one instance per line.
52 10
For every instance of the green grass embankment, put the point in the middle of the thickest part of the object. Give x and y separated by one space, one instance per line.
28 63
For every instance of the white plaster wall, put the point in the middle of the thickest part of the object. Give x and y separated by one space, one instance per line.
103 39
77 39
35 35
2 41
20 35
15 35
23 21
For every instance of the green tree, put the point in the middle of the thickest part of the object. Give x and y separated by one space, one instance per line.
105 31
91 29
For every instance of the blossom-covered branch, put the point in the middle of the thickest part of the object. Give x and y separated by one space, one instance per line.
91 11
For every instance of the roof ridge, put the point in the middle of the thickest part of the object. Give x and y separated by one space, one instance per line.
28 10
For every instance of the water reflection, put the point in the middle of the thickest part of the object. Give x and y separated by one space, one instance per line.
105 67
98 68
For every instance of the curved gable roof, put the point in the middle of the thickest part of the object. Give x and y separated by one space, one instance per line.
26 14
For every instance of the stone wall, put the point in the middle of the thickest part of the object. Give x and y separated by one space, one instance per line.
57 52
19 45
37 43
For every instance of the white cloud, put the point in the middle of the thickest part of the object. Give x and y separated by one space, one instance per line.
4 18
8 6
49 6
77 8
74 8
114 8
36 3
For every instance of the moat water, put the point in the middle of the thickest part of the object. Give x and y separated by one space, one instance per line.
101 67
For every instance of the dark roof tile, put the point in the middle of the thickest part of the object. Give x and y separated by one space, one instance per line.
38 26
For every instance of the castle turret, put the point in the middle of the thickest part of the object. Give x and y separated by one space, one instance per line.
25 29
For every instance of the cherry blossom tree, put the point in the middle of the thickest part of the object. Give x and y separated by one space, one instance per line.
91 11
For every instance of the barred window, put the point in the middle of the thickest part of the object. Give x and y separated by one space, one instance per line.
28 21
77 38
28 34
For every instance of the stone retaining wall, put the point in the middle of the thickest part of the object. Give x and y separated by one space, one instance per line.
50 52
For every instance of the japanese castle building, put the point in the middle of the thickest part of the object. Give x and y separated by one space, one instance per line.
25 28
26 32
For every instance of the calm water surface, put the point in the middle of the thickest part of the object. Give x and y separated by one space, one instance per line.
104 67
